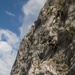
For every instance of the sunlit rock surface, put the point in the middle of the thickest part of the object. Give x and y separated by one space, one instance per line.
49 47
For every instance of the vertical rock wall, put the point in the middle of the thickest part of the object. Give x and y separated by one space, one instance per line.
49 47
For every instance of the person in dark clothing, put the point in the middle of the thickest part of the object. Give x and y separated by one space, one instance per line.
50 38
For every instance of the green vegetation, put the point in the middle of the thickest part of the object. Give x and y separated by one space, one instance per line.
67 25
60 4
38 67
65 67
72 32
54 30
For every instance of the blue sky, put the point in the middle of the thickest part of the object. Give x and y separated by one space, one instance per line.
10 14
16 18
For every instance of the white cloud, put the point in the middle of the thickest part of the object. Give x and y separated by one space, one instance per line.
6 62
31 10
9 13
33 7
5 47
10 37
9 43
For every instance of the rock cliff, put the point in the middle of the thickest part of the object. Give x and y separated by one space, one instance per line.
49 47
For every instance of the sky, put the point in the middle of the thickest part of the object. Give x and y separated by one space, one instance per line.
16 18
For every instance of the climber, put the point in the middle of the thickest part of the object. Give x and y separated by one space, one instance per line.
52 42
50 38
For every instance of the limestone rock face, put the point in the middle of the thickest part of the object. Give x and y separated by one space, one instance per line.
49 47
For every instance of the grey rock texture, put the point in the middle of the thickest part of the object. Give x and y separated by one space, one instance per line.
49 47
